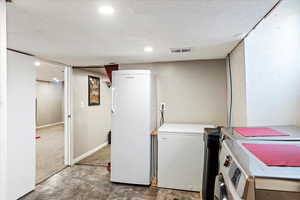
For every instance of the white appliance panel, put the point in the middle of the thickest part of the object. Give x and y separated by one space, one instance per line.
180 160
131 128
184 128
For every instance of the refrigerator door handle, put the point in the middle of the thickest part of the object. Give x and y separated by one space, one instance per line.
112 100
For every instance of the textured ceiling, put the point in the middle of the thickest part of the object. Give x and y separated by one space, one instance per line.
73 32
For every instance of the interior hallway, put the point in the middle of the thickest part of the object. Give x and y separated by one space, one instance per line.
99 158
91 183
49 152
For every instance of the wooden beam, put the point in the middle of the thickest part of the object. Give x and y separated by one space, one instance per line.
110 68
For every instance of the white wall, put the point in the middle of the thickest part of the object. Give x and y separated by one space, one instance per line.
271 70
50 99
194 91
91 123
3 99
21 94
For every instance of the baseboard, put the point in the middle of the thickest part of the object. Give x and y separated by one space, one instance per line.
48 125
83 156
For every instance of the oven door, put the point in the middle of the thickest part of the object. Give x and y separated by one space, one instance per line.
221 190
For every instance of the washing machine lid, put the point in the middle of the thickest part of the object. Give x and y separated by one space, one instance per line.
184 128
255 167
292 131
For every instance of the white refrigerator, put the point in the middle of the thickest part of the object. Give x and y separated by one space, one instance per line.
133 120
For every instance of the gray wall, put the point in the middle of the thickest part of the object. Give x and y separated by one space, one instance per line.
238 73
91 123
194 91
50 99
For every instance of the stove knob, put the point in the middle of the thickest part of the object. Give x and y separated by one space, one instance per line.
227 161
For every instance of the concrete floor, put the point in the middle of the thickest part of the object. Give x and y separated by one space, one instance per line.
82 182
49 152
89 181
99 158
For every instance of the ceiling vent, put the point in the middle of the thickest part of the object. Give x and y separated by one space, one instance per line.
173 50
181 50
186 50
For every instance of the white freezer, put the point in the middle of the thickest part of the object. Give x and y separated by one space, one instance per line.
133 120
180 156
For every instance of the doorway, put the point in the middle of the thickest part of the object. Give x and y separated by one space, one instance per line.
91 105
50 127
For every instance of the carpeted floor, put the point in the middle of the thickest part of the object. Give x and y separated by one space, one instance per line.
49 152
99 158
93 183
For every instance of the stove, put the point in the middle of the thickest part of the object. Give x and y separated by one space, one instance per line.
244 177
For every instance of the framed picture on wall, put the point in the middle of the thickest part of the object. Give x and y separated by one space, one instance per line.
94 90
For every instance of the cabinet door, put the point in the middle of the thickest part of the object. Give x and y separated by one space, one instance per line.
180 161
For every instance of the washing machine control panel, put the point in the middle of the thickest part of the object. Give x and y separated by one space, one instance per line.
232 172
235 174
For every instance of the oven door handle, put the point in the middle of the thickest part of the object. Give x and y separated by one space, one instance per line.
223 190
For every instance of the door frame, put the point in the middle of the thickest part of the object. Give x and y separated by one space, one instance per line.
68 120
70 158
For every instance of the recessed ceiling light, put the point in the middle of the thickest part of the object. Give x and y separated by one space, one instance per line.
106 10
148 49
37 63
55 79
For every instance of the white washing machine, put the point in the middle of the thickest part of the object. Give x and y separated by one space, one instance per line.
180 156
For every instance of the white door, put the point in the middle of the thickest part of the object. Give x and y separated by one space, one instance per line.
21 93
131 129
